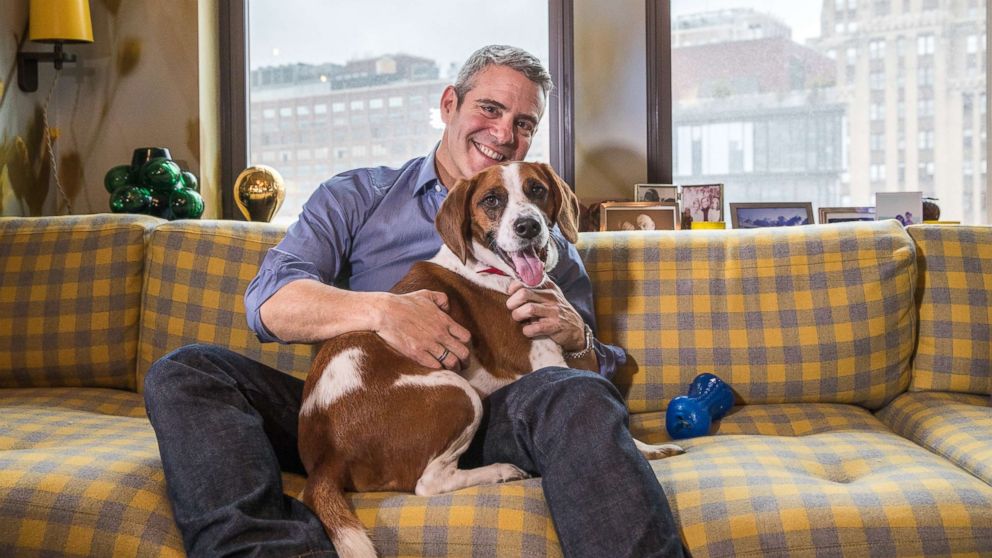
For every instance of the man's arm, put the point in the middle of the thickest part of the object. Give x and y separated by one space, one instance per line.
301 312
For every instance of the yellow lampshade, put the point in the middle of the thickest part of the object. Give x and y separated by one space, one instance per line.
60 20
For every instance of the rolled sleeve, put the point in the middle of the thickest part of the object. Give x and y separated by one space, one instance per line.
315 246
570 275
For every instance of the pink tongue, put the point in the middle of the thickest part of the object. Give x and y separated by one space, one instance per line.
528 267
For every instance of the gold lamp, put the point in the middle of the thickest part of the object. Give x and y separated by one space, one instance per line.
57 22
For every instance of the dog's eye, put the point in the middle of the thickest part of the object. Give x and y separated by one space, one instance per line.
538 190
491 201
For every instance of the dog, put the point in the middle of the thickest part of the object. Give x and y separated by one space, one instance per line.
373 420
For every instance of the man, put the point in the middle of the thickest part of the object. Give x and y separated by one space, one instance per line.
227 424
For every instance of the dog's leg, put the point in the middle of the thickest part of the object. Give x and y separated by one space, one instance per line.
659 451
445 476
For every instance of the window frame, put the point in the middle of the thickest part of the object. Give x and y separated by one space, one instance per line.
234 111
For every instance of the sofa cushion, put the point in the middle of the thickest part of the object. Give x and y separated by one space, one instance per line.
81 478
783 419
835 493
510 519
954 352
70 289
798 314
197 273
957 426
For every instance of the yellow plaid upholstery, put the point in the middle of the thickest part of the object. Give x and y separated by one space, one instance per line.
841 493
956 426
196 278
81 479
954 352
495 520
70 290
782 419
803 314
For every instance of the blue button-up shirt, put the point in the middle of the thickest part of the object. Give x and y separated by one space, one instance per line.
363 229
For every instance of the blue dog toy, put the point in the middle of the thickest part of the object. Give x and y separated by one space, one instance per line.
689 416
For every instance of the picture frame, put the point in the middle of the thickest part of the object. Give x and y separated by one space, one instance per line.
643 216
830 215
756 215
662 193
702 203
905 207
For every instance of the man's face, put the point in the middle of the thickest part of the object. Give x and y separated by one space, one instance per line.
496 121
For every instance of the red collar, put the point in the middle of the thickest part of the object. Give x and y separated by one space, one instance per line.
494 271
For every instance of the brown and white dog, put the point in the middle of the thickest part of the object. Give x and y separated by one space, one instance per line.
373 420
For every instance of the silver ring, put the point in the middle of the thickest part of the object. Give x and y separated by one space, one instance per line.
444 355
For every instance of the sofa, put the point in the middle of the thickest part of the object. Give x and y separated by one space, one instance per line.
860 356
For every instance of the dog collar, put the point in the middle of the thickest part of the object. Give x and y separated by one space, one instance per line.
494 271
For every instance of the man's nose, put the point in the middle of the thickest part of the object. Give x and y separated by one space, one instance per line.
502 131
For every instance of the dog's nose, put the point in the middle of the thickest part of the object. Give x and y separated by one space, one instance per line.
526 227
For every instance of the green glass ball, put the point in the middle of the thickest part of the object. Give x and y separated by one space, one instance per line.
159 206
130 199
161 174
186 204
117 177
190 182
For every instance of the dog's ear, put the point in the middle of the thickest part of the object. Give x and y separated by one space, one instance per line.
454 221
566 208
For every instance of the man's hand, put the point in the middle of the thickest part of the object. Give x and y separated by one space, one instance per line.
544 311
417 325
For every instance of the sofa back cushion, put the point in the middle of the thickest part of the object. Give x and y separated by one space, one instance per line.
70 291
954 352
784 315
196 278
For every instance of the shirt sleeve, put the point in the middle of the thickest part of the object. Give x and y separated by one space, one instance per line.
315 247
571 277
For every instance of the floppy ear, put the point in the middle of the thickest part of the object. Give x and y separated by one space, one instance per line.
566 204
453 221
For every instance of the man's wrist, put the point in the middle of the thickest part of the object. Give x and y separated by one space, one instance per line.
587 347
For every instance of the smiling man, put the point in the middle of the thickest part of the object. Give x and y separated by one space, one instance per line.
227 424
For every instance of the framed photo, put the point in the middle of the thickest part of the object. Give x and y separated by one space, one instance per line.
639 216
905 207
845 214
759 215
703 202
666 193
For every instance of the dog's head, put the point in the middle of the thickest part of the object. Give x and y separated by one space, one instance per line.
502 217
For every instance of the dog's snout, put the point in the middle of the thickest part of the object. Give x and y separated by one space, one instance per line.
527 227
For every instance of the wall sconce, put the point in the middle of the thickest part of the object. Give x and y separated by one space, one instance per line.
57 22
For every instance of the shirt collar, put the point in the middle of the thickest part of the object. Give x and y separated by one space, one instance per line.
427 177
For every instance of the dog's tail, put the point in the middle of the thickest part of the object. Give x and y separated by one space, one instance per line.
326 499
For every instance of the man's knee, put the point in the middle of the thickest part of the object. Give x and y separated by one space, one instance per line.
174 369
570 392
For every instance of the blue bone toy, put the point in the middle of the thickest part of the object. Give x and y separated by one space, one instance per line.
689 416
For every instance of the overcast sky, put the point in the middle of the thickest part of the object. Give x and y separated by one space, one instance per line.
322 30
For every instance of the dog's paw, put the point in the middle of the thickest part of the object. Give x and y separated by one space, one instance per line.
508 473
658 451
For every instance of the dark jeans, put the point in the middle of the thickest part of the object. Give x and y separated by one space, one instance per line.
226 426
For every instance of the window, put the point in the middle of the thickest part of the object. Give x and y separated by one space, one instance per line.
802 112
380 74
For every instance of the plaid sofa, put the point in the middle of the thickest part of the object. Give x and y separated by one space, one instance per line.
860 355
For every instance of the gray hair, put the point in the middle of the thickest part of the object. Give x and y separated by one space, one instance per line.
502 55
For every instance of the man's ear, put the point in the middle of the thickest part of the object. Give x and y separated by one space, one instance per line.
566 204
453 221
449 103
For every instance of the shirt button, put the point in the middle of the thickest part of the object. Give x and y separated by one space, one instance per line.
437 187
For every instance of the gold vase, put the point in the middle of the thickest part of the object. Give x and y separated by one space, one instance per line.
258 192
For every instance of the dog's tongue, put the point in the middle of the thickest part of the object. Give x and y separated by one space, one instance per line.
528 267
